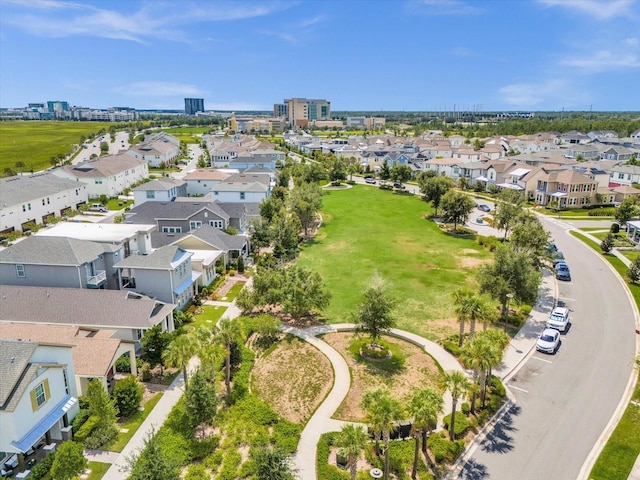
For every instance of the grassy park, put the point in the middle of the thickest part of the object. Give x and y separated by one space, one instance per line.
367 229
34 143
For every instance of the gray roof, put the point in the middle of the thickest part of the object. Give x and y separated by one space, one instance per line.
248 177
249 160
150 212
104 166
259 170
160 184
80 306
36 250
208 234
14 359
21 189
164 258
240 187
241 209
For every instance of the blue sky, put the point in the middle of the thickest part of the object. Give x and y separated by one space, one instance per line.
412 55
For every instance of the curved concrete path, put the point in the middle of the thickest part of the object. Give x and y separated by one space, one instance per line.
321 421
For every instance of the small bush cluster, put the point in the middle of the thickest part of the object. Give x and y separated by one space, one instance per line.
41 470
85 430
444 450
602 212
324 469
490 243
462 424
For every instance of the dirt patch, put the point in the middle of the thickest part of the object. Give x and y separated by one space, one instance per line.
470 262
419 370
293 379
150 389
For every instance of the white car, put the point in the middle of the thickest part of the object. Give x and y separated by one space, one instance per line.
559 319
548 341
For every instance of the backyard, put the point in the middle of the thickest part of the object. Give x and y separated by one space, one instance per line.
366 230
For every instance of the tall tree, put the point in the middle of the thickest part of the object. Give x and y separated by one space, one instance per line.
208 350
374 315
127 395
400 173
497 342
69 461
476 355
470 307
337 170
352 440
100 404
385 171
305 201
529 237
229 332
626 211
434 188
382 412
509 209
154 342
457 383
201 400
425 404
456 207
178 354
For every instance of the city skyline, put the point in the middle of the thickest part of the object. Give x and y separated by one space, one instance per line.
427 55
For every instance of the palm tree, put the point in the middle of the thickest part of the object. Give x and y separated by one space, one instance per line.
178 354
496 342
457 383
352 440
382 412
460 301
476 355
229 332
424 406
471 307
208 351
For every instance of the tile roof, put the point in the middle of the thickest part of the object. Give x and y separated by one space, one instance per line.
14 359
40 250
21 189
79 306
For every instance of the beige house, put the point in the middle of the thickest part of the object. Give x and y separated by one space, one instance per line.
569 188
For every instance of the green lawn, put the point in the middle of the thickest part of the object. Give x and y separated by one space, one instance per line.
630 254
98 469
189 130
132 424
209 316
367 229
620 453
34 143
233 293
114 204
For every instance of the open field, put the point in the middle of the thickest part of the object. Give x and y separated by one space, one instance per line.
34 143
293 393
188 130
366 229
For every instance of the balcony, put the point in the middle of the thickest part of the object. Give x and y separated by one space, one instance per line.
97 280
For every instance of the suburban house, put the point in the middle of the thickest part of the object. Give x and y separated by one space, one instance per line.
250 188
161 190
574 137
618 194
517 178
165 274
179 217
450 167
568 187
38 399
157 149
94 351
56 262
624 175
585 152
245 161
109 175
128 314
35 198
203 180
269 153
633 230
618 153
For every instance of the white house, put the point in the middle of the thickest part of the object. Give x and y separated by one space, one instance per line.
157 149
109 175
34 198
203 180
250 191
160 190
449 167
38 398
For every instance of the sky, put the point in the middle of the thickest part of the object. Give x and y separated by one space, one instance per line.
371 55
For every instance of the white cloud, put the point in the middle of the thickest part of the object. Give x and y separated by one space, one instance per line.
605 60
443 7
287 37
528 95
598 9
159 89
312 21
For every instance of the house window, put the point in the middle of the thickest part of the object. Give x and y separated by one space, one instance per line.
139 334
98 182
151 194
620 176
66 380
40 395
215 193
241 195
29 206
195 224
48 202
20 270
216 223
171 229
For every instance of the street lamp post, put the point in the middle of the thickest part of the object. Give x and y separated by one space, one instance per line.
506 316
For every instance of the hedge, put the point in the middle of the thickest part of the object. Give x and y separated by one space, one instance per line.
326 471
461 426
444 450
85 430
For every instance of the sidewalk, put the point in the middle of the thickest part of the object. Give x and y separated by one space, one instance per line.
615 251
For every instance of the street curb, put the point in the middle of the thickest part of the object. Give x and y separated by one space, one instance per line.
595 452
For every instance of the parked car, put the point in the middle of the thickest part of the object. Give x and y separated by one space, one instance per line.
398 185
563 273
557 257
559 319
97 207
552 247
484 208
548 341
370 180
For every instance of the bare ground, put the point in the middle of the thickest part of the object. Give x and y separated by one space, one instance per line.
420 370
293 379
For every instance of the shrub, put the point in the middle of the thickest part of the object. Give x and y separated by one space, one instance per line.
80 418
230 466
85 430
203 448
325 470
461 426
607 244
68 462
101 435
197 472
127 393
43 466
602 212
240 264
145 372
286 435
386 186
634 271
214 460
232 272
451 346
465 408
241 377
122 364
444 450
498 387
615 228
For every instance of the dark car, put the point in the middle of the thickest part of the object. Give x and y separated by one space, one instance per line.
563 273
557 257
484 208
397 185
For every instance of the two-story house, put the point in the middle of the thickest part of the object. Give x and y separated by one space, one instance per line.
624 175
450 167
202 180
568 187
56 262
38 398
243 188
165 274
179 217
161 190
157 149
109 175
36 198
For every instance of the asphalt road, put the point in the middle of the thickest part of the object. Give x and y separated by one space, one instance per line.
564 401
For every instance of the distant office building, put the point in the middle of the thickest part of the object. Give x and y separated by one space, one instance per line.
57 106
301 111
193 105
366 123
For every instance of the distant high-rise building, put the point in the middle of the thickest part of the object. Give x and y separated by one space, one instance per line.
57 106
301 111
193 105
